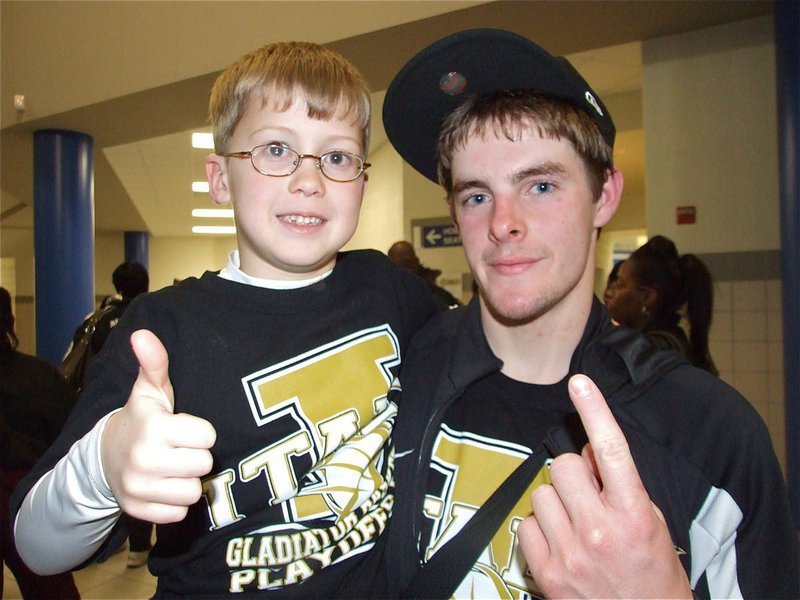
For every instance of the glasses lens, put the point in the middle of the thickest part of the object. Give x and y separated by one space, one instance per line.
341 166
274 159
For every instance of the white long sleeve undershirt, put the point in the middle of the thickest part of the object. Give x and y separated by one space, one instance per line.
71 510
70 507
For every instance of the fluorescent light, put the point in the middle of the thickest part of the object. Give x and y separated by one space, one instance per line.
213 213
203 140
214 229
200 186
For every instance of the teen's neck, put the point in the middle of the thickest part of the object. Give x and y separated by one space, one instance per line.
539 351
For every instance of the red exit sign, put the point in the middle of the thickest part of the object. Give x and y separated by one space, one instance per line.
686 215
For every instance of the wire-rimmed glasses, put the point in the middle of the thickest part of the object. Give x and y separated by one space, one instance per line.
277 160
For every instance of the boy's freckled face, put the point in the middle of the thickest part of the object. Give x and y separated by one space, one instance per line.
292 227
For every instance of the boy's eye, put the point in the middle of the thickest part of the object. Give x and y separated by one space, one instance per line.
338 159
276 151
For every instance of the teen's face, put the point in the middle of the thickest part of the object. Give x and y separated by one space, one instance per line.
288 227
625 305
527 218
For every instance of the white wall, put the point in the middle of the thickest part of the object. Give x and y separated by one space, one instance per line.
711 142
381 221
179 258
169 258
424 199
710 117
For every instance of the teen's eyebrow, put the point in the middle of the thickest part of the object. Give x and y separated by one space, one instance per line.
460 186
549 168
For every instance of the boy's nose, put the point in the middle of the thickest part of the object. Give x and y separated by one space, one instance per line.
308 177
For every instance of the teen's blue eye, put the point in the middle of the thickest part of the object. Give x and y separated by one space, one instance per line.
476 199
542 187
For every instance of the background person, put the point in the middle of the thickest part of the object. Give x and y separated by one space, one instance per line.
611 283
129 279
35 402
653 287
402 254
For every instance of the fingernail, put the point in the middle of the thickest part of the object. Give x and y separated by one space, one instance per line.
580 385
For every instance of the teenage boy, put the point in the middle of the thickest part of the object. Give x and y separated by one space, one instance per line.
678 492
246 411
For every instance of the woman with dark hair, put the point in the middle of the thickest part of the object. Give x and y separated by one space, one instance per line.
611 282
653 286
34 404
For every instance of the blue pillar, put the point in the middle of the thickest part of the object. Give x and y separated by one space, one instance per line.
787 63
63 212
136 247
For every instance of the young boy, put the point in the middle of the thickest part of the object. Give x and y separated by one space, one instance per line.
257 434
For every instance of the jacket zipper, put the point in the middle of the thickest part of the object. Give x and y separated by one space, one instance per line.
418 514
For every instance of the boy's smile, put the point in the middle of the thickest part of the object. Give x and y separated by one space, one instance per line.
288 227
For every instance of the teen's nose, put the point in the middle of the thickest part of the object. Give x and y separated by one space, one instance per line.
506 221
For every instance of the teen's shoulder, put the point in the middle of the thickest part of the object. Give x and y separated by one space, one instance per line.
365 256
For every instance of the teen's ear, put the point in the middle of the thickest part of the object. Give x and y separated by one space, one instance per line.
217 175
610 195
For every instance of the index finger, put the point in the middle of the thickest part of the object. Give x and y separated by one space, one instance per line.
619 477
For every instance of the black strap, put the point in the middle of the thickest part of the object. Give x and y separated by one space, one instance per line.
440 576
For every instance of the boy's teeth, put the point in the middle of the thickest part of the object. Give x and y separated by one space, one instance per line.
297 219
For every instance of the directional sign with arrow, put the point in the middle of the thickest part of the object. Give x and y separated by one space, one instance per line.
440 236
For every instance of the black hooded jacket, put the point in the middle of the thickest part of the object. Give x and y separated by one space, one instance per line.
702 451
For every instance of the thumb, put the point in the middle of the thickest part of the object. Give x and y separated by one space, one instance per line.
153 365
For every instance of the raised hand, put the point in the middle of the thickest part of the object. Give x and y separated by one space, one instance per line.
152 458
595 533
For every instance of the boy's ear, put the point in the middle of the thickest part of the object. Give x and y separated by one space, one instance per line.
610 195
217 175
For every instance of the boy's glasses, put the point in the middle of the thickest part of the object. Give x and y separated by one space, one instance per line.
275 160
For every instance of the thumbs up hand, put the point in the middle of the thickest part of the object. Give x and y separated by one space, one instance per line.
152 458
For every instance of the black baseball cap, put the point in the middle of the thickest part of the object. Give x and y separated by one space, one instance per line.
477 61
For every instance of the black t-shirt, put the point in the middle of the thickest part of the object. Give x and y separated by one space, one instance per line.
485 435
295 383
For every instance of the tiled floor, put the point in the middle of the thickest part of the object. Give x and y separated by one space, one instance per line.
109 580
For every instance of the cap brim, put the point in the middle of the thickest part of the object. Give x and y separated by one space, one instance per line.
479 61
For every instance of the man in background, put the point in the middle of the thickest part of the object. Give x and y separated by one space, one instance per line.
35 402
403 255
